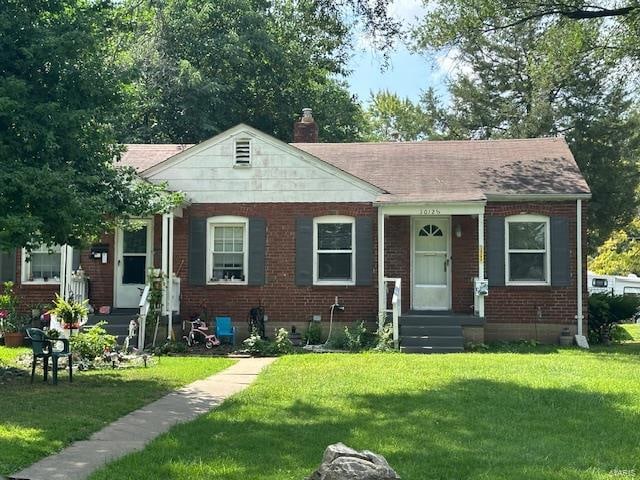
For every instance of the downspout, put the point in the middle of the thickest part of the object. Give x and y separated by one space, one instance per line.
580 314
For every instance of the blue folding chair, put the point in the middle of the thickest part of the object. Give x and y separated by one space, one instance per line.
225 329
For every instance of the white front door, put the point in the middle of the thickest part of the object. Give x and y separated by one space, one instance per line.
431 272
134 255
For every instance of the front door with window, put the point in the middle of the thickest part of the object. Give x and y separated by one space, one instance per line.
133 258
431 263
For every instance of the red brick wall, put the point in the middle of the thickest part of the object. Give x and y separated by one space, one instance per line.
100 280
100 274
464 262
282 299
397 254
541 305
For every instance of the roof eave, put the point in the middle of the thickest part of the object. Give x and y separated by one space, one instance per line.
536 197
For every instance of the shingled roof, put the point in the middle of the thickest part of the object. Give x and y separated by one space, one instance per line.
428 171
458 170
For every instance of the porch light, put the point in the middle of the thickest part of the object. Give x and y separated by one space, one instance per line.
458 230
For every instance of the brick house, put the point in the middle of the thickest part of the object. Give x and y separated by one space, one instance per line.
479 240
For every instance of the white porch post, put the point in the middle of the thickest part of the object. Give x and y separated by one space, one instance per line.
66 254
382 297
165 258
170 278
481 254
167 269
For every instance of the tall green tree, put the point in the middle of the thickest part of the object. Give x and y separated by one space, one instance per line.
58 182
539 79
391 118
199 67
452 21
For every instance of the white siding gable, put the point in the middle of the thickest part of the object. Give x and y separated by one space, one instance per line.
207 173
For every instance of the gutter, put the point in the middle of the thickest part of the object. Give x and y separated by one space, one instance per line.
529 197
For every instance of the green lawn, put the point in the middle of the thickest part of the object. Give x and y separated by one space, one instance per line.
552 414
631 332
37 420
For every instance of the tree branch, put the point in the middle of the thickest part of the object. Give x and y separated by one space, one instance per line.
574 14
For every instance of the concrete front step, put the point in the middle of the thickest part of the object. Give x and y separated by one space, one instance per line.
431 349
432 341
433 330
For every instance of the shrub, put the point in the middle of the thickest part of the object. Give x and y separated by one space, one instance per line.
313 334
281 344
355 337
606 311
257 345
92 343
384 338
170 347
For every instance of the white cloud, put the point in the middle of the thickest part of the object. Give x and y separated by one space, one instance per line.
451 65
407 11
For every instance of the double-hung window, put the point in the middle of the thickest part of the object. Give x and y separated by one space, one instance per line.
228 250
42 264
334 250
527 256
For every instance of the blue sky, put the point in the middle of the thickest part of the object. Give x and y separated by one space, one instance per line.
408 73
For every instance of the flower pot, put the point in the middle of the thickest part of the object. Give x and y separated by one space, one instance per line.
13 339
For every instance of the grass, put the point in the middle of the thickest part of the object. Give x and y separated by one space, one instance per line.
548 414
630 332
38 420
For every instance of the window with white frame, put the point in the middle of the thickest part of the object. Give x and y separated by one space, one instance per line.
334 250
228 250
527 258
42 264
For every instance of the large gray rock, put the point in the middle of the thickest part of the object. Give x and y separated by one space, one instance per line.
340 462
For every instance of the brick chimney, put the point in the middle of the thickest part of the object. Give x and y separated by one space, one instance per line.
306 129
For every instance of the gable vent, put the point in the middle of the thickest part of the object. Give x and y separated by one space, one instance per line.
243 152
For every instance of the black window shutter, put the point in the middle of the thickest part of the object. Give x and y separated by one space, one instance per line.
560 266
198 251
495 251
75 258
304 251
8 266
257 245
364 251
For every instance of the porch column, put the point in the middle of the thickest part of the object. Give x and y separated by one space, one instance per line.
481 261
382 296
66 254
167 269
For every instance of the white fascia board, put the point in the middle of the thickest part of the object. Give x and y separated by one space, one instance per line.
432 208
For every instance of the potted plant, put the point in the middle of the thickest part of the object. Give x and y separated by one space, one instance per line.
10 321
71 315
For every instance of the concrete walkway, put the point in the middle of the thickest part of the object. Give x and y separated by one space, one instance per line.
135 430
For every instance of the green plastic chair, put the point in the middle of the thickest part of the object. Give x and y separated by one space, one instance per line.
45 348
41 348
60 348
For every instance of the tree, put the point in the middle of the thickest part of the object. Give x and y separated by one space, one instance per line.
536 79
454 20
392 118
59 184
200 67
620 253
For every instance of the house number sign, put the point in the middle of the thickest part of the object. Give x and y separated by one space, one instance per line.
429 211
